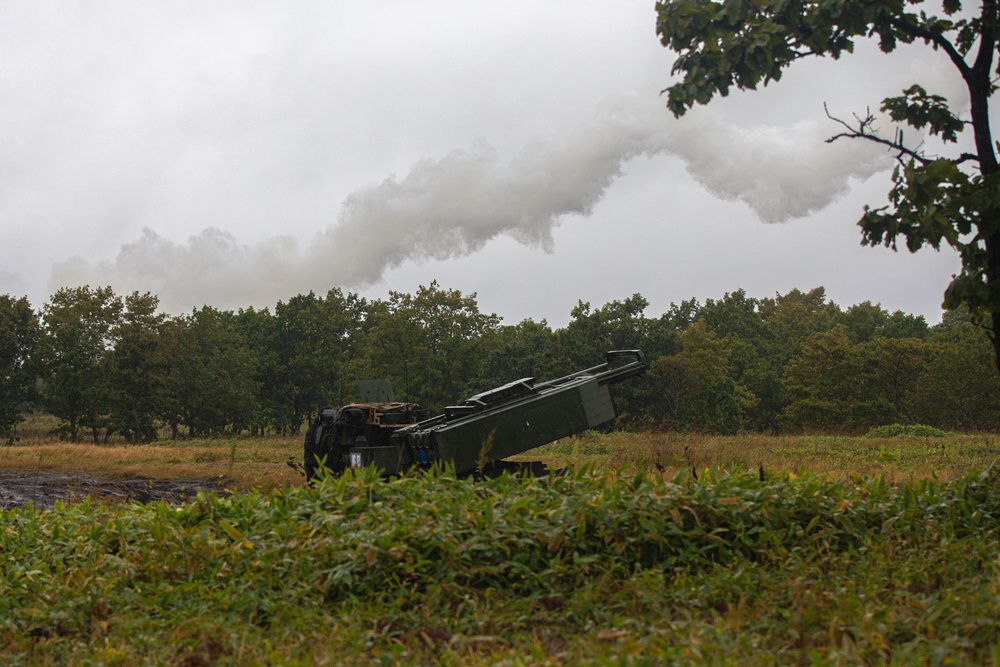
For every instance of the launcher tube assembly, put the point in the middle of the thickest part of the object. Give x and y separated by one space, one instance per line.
505 421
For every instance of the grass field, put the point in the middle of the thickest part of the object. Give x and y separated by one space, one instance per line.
262 463
654 549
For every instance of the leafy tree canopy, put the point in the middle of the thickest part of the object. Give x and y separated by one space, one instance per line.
78 325
19 340
429 344
935 200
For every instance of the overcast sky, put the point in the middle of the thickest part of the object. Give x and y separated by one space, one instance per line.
239 153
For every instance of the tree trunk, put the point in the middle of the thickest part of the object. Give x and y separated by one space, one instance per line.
979 82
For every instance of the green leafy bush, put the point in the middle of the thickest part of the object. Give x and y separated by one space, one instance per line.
905 431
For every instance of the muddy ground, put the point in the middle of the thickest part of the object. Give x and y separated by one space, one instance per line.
43 489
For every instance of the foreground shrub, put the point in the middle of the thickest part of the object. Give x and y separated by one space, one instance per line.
905 431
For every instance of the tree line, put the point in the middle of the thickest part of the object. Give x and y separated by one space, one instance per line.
105 364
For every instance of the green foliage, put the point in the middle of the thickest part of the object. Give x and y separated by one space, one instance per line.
561 569
835 385
905 431
936 202
303 355
793 317
958 389
722 45
793 361
210 379
920 110
617 325
430 344
79 328
19 360
893 368
527 349
137 368
695 384
620 325
866 321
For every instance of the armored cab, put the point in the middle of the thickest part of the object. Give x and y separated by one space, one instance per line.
501 422
369 423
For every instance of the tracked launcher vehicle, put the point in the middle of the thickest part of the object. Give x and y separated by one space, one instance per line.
474 435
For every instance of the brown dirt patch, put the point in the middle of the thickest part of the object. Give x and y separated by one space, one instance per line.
43 489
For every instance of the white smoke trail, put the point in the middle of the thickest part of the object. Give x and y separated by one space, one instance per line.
452 206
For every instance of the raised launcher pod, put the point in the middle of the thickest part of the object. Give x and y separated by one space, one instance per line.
505 421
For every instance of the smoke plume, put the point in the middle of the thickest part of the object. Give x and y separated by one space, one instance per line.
453 205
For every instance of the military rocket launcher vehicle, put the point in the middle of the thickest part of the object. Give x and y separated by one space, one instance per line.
475 434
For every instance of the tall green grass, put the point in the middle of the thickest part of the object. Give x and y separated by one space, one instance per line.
589 567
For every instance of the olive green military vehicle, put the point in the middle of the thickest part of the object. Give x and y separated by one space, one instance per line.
367 423
474 435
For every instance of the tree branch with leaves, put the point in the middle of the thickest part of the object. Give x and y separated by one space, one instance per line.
934 200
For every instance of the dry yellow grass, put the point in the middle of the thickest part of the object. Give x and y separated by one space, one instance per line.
243 463
895 459
262 463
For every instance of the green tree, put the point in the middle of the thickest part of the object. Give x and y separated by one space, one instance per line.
430 344
892 368
304 369
834 384
137 369
791 318
19 340
211 377
696 389
78 325
526 349
934 200
346 318
681 316
735 315
957 388
827 390
865 321
904 325
304 352
754 362
257 329
617 325
622 325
